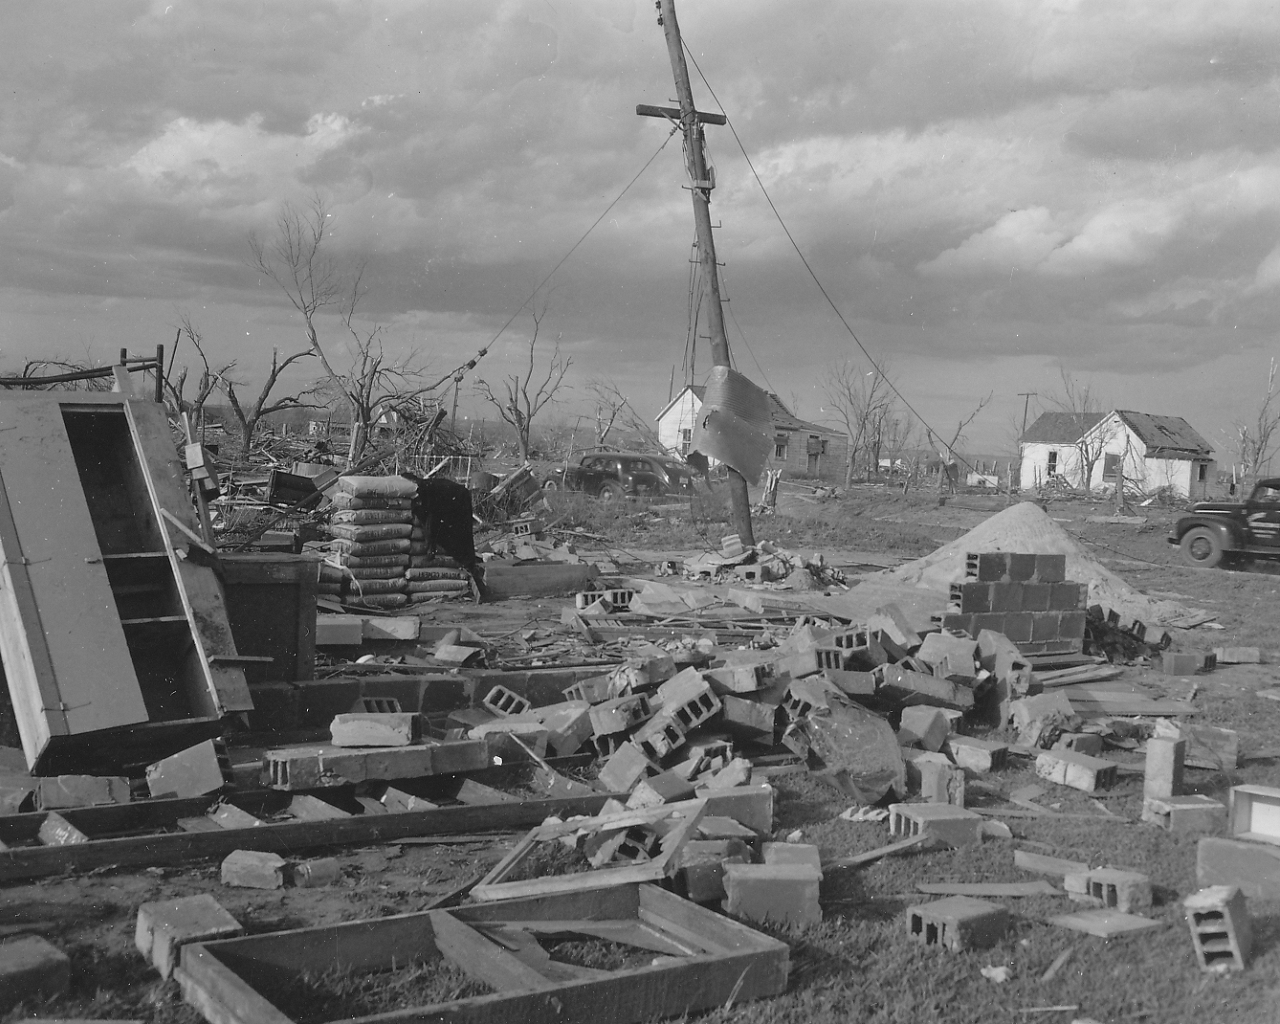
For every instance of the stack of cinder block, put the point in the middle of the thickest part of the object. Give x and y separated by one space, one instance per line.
1024 596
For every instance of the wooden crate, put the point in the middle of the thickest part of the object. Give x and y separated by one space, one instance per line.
706 960
1254 813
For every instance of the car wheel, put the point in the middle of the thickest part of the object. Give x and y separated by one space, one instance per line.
610 493
1202 547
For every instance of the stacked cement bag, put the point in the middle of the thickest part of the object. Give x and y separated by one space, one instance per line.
371 530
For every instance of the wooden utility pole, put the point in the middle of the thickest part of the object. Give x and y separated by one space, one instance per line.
691 122
1026 397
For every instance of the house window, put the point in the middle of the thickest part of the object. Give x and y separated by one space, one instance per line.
1053 463
1202 472
780 446
686 440
1110 466
824 446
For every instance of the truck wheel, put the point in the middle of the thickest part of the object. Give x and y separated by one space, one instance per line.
1201 547
610 493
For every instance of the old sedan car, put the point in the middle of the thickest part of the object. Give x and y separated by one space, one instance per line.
611 476
1223 531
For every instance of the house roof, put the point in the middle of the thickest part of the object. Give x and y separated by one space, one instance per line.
1061 427
779 415
1169 437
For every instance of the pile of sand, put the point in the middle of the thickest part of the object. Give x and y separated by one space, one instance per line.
1027 528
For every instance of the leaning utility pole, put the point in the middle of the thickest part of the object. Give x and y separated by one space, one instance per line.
691 122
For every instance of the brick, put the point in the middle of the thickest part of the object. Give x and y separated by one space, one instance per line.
923 726
776 894
66 791
1162 774
568 726
957 923
253 869
1050 568
502 701
1186 814
663 788
625 767
55 830
942 783
1079 771
907 687
316 873
191 772
1238 655
31 968
375 730
977 755
953 826
1221 930
165 926
1253 812
750 805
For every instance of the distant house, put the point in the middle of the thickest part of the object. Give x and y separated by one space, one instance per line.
1151 451
801 447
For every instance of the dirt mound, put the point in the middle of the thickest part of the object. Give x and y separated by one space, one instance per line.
1027 528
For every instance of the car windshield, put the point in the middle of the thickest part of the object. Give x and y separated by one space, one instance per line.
1264 495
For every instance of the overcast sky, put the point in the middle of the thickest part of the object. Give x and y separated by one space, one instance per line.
987 190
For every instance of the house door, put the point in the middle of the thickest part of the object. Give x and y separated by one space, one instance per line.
813 463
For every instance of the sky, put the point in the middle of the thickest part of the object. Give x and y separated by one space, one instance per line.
992 193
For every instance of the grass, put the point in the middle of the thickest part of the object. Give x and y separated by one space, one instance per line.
340 994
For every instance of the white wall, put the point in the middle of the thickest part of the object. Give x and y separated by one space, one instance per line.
678 418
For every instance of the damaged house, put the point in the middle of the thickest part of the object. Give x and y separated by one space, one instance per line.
1092 450
799 447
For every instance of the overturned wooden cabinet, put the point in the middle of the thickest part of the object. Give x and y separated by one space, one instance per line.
113 627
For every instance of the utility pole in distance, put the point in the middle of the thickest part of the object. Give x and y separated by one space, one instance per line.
691 122
1026 397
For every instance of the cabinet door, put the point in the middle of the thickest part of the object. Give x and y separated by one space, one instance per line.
65 654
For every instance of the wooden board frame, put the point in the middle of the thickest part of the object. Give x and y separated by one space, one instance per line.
495 887
723 960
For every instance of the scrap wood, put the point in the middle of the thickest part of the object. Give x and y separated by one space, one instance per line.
1058 962
923 841
1082 674
993 889
1040 864
1042 812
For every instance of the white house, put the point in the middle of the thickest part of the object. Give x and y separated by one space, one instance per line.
1151 451
804 448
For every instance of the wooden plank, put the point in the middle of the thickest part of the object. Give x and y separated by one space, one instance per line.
1106 924
871 856
483 959
219 994
1042 865
285 837
69 652
993 889
198 587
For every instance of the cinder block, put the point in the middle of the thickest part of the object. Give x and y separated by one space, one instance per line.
1162 776
31 968
304 807
1126 891
701 872
1185 814
749 805
923 726
1044 626
1221 930
456 757
1051 568
941 783
231 816
55 830
1017 627
987 567
748 719
1006 596
1208 746
1179 664
1238 655
397 801
191 772
339 631
1071 627
625 767
736 773
973 597
589 691
663 788
1253 813
888 622
797 664
1079 771
568 726
976 755
658 737
953 826
901 685
1254 867
66 791
801 854
502 701
957 923
862 650
375 730
316 873
1037 597
1066 597
165 926
620 714
777 894
1080 742
253 869
735 678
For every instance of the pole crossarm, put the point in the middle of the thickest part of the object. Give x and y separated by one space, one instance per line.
673 114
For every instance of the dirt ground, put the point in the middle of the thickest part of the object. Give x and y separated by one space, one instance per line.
859 964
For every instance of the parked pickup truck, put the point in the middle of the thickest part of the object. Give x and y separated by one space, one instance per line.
1218 531
611 476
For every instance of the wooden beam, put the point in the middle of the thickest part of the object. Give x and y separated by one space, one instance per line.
673 114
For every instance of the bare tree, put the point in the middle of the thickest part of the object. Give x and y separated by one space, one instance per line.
862 400
613 410
1258 439
949 474
1079 399
526 396
250 414
209 381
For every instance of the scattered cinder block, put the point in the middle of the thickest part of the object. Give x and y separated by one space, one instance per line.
67 791
375 730
776 894
749 805
1079 771
736 773
231 816
55 830
1180 663
397 801
1221 930
32 968
792 853
1208 746
902 685
1080 743
316 873
1253 867
528 728
1253 813
957 923
941 783
862 650
624 768
590 691
304 807
658 737
890 622
700 875
1162 775
191 772
937 647
923 726
620 714
253 869
1126 891
949 825
502 701
976 755
1238 655
719 828
735 678
663 788
165 926
813 693
1185 814
568 726
749 720
339 631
